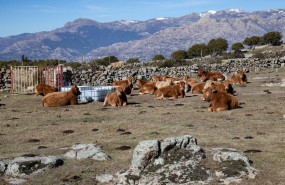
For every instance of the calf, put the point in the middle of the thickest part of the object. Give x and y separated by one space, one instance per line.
157 78
117 98
219 100
141 83
214 76
148 88
239 78
197 88
173 91
220 86
56 99
129 82
126 89
44 89
161 84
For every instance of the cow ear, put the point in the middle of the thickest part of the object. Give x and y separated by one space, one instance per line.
214 91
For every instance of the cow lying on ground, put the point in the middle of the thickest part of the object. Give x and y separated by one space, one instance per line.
214 76
121 63
157 78
56 99
140 83
44 89
172 91
129 82
117 98
126 89
148 88
239 78
197 88
220 86
161 84
219 100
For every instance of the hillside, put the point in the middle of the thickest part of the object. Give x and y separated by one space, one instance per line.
143 39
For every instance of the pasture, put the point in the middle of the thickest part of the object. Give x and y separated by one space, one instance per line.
257 127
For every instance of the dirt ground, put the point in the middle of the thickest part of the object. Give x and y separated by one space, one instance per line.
257 127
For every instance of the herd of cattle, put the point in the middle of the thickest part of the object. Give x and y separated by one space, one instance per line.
213 86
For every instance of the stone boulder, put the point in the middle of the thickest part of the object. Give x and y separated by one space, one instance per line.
85 151
18 169
180 160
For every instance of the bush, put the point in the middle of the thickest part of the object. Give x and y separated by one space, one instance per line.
178 55
132 61
273 37
198 50
217 46
74 65
237 46
158 57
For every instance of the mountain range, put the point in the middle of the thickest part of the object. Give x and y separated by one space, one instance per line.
88 39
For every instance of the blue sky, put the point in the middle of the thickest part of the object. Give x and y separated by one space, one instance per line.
29 16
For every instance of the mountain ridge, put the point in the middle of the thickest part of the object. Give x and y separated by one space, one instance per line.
142 39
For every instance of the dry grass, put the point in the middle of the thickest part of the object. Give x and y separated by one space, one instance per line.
260 116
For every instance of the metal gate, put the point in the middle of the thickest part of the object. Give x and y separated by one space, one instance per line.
51 75
25 78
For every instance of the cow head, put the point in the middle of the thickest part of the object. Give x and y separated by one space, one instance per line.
242 75
75 90
200 72
208 94
228 86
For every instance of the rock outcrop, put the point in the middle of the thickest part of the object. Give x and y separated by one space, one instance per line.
180 160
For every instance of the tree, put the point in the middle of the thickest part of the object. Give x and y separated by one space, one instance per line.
198 50
217 46
237 46
273 37
158 57
106 60
252 41
180 54
132 61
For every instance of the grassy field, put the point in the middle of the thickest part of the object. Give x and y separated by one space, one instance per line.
258 124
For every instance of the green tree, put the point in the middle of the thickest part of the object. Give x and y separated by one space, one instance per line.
132 61
217 46
158 57
252 41
273 37
198 50
178 55
237 46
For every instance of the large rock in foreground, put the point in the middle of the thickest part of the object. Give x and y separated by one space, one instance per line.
180 160
20 168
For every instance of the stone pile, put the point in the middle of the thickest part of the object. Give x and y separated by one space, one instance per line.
5 79
106 75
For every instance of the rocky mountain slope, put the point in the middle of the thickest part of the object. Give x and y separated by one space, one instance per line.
142 39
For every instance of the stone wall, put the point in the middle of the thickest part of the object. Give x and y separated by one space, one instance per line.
106 75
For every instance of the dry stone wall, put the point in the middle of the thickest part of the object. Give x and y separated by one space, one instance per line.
106 75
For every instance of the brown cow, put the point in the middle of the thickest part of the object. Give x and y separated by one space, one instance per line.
239 78
219 100
161 84
214 76
126 89
56 99
148 88
220 86
44 89
172 91
129 82
157 78
117 98
141 83
197 88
